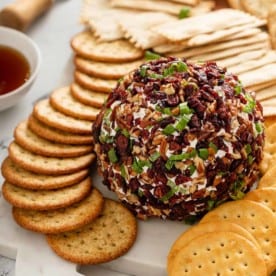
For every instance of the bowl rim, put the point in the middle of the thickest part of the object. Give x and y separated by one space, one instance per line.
36 67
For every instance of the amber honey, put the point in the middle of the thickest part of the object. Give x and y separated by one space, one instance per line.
14 69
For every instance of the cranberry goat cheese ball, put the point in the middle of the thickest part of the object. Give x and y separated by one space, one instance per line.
177 138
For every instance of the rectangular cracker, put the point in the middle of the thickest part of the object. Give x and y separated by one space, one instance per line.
258 87
262 75
249 65
137 28
186 2
266 93
251 55
218 55
224 45
218 35
177 47
269 102
162 6
206 23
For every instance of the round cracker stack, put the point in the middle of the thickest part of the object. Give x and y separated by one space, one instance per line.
47 177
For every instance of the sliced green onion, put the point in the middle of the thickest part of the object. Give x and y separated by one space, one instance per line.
259 127
179 66
125 133
136 167
151 55
156 76
238 195
248 148
169 194
203 153
238 88
211 204
182 123
112 155
185 109
123 171
184 13
169 164
192 169
179 157
154 156
169 129
143 71
250 159
250 104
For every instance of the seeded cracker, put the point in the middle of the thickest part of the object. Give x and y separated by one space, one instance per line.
85 45
61 220
108 237
46 199
26 179
201 229
93 83
258 219
45 113
62 100
48 165
30 141
219 253
87 96
56 135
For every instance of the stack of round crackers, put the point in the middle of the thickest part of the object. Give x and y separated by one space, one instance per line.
99 65
238 237
47 170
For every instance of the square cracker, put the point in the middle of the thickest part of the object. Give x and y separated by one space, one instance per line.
138 28
206 23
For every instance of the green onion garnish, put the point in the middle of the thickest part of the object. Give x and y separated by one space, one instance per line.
112 155
151 55
184 13
203 153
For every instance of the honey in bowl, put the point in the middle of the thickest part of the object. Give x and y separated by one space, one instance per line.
14 69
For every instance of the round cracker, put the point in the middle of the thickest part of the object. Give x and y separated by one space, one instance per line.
202 228
86 45
265 196
269 178
29 180
219 253
56 135
30 141
61 220
235 4
48 165
93 83
259 8
105 70
254 217
44 112
87 96
108 237
62 100
46 199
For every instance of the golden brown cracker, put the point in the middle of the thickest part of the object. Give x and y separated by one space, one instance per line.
108 237
62 100
29 180
105 70
48 165
219 253
45 113
258 219
268 179
85 45
61 220
56 135
93 83
34 143
46 199
87 96
265 196
203 228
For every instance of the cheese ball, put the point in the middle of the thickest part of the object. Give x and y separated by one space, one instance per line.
177 138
